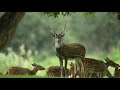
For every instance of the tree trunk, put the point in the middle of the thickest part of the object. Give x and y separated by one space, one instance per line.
8 24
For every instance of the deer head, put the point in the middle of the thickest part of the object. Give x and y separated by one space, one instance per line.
38 67
57 37
111 63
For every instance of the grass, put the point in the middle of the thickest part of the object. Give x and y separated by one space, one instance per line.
22 76
25 76
13 59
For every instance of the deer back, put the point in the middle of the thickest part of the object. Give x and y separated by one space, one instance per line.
71 50
18 71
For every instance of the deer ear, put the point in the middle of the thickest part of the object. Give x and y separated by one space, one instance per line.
71 64
107 58
52 34
33 64
62 35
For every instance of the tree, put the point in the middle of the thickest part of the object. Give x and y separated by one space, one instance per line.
8 24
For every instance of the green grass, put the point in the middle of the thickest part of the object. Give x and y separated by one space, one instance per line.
21 76
25 76
14 59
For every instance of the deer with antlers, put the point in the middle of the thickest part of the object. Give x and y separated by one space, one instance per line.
68 51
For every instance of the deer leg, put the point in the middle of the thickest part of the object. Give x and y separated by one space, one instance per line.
75 74
66 67
109 74
75 70
61 65
80 66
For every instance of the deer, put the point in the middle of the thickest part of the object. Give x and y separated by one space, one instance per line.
117 72
114 65
15 70
65 52
55 71
94 68
110 62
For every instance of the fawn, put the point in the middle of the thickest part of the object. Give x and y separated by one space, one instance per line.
68 51
93 68
56 71
24 71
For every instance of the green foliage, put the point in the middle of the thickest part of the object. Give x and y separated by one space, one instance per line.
56 14
115 53
88 13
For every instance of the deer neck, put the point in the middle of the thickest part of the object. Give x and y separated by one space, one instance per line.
57 44
34 71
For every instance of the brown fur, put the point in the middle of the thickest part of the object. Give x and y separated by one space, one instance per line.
115 65
93 69
55 71
117 73
68 51
71 51
24 71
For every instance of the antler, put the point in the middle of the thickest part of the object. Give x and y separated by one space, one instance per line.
63 29
51 30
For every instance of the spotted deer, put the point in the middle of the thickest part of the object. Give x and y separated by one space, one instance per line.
110 62
55 71
114 65
117 72
93 68
68 51
24 71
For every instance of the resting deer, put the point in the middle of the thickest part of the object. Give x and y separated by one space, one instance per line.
24 71
93 68
68 51
56 71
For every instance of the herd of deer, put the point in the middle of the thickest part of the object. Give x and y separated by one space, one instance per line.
93 69
83 67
